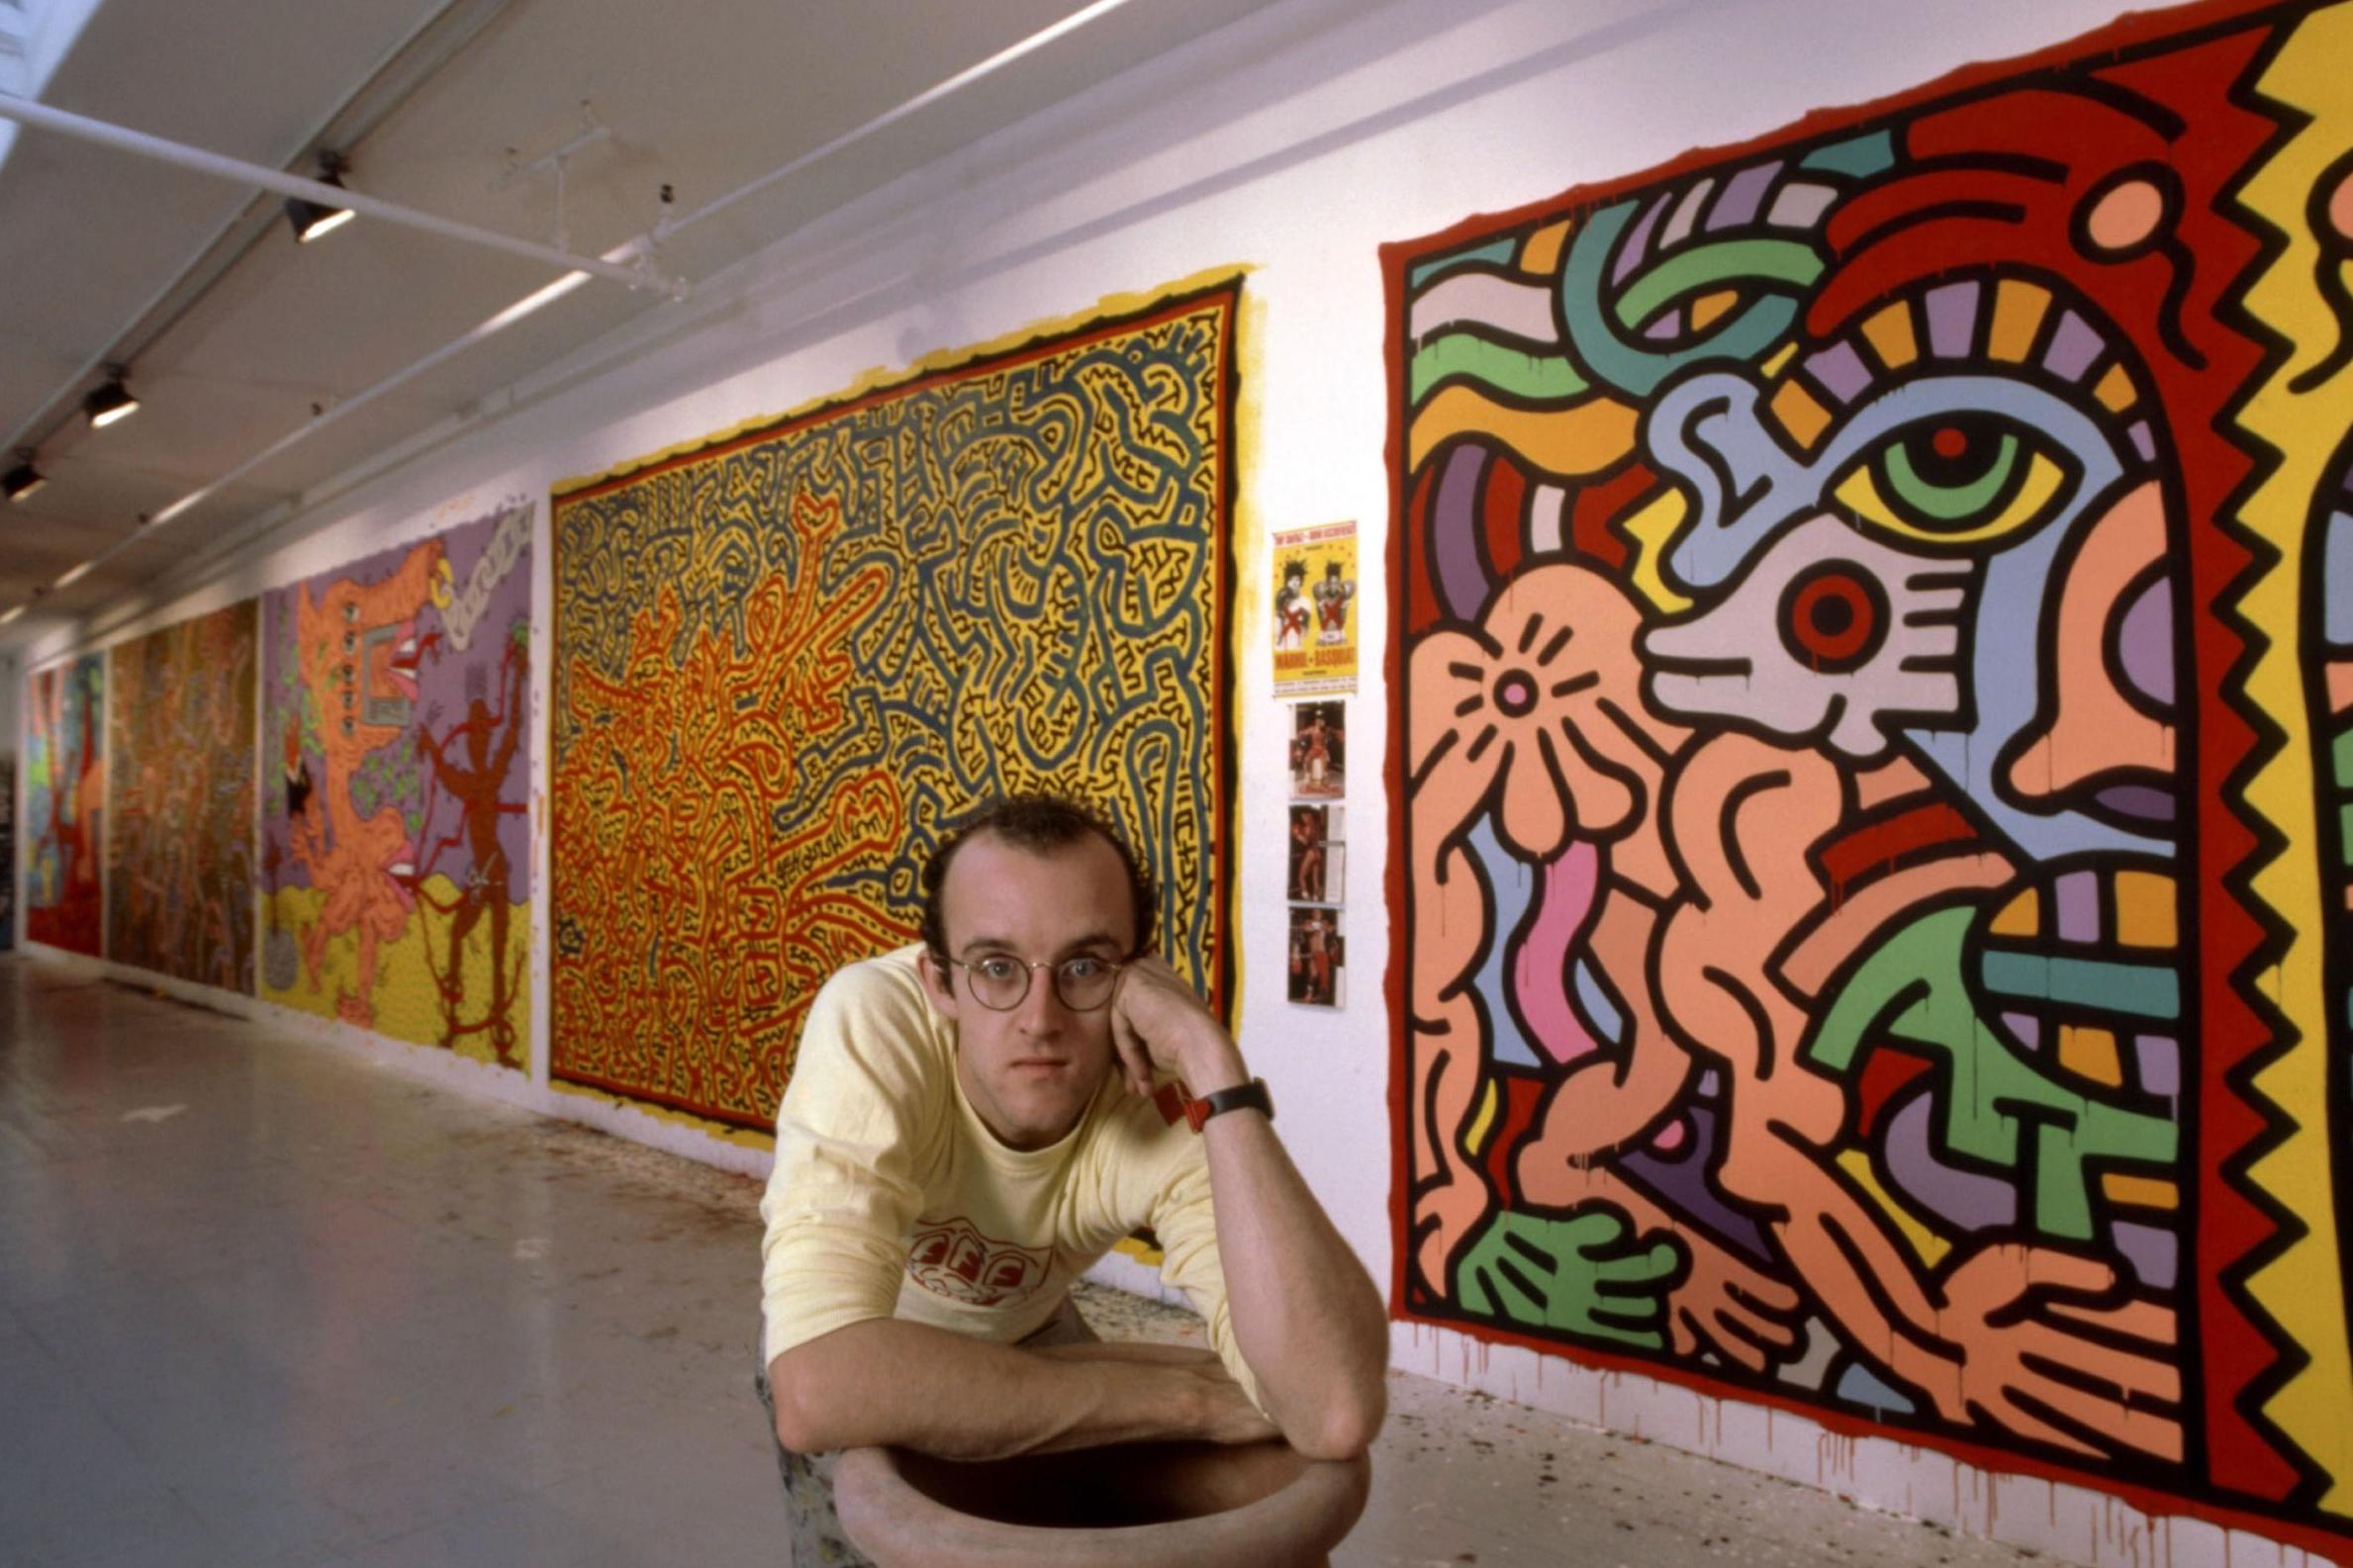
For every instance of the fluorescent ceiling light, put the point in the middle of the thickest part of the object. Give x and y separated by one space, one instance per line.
312 219
110 404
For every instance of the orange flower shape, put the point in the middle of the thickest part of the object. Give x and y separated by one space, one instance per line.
1543 704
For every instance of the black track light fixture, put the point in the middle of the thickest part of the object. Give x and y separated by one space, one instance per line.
110 402
24 479
314 219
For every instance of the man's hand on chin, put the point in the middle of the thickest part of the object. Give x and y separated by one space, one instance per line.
1159 1025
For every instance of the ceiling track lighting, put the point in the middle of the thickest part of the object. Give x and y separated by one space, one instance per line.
310 219
110 402
24 479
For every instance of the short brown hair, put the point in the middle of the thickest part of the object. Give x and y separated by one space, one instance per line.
1040 824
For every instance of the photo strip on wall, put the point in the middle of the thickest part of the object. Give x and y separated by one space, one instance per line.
1314 573
1315 871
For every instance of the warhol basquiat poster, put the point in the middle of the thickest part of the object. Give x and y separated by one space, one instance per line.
1315 610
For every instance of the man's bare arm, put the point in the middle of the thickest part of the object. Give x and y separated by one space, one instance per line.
941 1393
1305 1315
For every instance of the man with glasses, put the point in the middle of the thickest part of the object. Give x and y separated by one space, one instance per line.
974 1121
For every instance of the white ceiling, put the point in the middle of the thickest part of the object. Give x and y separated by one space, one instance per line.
233 332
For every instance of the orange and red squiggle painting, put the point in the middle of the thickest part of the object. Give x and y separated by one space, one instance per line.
180 845
786 660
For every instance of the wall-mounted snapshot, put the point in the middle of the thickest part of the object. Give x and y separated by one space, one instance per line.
1318 852
1316 964
1319 750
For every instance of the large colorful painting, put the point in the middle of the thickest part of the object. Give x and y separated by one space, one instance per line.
179 850
786 659
1872 771
8 851
65 804
396 846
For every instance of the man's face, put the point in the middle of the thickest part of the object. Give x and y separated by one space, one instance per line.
1030 1071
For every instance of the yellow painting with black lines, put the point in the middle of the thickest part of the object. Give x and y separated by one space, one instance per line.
788 659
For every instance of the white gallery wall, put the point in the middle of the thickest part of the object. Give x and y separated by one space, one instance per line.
1294 146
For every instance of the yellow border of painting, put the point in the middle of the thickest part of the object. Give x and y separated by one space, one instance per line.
1245 532
881 377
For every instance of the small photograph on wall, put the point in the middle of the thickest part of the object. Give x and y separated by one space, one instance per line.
1317 855
1319 750
1318 958
1316 594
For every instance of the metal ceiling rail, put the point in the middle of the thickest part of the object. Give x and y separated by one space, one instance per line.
891 117
414 59
630 258
220 166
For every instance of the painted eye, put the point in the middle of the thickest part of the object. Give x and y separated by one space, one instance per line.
1957 478
1833 617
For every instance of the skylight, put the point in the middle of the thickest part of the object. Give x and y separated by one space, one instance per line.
34 36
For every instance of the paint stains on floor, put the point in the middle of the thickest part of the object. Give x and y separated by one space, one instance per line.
409 1327
1460 1478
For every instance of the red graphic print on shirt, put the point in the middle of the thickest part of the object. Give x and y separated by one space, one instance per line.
952 1258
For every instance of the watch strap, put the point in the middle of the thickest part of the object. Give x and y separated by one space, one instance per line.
1250 1096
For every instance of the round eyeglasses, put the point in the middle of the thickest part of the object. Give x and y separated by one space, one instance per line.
1001 981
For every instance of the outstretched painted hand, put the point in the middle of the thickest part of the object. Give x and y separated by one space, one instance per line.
2054 1347
1587 1274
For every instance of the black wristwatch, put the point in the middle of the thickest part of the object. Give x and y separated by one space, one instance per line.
1250 1096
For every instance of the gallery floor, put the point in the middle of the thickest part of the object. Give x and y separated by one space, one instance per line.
263 1303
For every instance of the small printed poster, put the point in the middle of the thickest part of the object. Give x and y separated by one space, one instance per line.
1318 957
1315 599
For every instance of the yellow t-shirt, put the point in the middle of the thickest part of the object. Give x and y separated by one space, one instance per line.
892 1198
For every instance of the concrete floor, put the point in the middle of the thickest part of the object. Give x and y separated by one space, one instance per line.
265 1303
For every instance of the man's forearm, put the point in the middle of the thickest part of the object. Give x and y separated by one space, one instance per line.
1305 1315
912 1386
1303 1312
